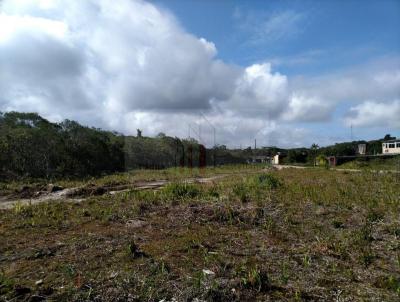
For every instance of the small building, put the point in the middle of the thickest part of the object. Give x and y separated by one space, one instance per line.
362 149
258 159
391 147
332 161
276 160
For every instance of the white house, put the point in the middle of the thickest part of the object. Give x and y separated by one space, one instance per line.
391 147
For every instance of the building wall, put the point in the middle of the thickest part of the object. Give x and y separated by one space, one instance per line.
391 148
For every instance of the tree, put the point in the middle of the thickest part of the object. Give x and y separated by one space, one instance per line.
388 137
314 148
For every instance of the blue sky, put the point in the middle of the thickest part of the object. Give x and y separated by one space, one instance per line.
314 36
288 73
310 38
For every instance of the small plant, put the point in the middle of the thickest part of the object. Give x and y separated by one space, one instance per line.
69 270
367 257
306 260
181 191
389 282
6 284
365 233
241 191
141 207
22 210
374 215
225 214
256 279
284 273
268 180
270 225
337 224
213 192
134 250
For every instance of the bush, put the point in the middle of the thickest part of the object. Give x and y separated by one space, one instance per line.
181 191
256 279
268 180
241 191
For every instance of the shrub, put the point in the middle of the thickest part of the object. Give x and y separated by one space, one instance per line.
242 191
256 279
268 180
181 191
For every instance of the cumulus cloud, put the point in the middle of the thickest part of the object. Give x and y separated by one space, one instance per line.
375 114
98 58
379 79
307 109
129 64
258 91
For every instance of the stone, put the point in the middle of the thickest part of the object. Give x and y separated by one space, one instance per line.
39 282
54 188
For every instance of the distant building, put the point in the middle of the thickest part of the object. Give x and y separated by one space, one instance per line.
362 149
276 160
391 147
259 159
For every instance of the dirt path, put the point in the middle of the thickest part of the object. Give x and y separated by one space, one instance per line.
78 194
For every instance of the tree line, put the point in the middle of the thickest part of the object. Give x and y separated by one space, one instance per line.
31 146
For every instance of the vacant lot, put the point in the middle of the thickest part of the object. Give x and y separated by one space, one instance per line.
289 235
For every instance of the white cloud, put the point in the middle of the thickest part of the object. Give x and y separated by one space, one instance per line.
259 92
375 114
105 60
373 80
129 64
264 28
308 109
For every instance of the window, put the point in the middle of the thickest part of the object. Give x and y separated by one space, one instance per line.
391 145
398 145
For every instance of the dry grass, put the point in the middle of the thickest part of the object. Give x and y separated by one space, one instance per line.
289 235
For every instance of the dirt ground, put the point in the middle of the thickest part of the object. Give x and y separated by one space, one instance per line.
289 235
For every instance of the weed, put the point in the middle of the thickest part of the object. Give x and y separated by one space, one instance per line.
24 211
181 191
141 207
268 180
306 260
69 270
367 257
134 250
388 282
241 191
6 284
284 273
214 191
337 224
256 279
270 225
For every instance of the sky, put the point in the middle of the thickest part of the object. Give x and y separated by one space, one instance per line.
286 73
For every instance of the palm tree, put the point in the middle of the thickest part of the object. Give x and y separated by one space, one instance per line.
314 148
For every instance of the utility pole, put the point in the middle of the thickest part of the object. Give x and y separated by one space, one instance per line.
215 140
351 132
199 133
255 144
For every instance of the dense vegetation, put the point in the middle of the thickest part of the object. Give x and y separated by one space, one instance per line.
31 146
